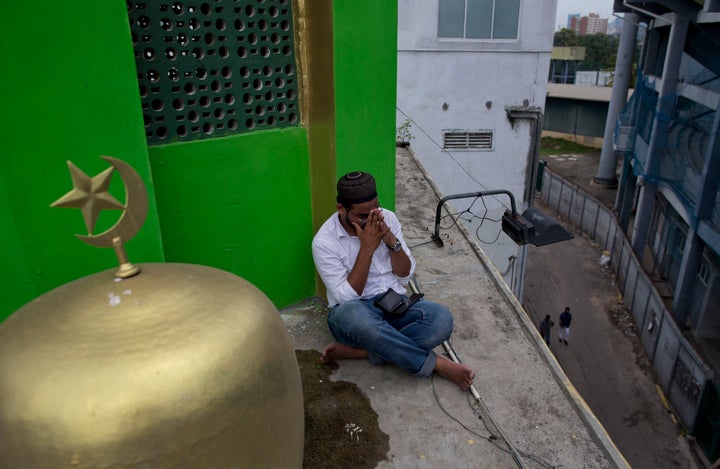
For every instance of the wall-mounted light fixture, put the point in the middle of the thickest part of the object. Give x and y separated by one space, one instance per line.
533 226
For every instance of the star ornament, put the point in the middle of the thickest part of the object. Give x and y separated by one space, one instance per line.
90 195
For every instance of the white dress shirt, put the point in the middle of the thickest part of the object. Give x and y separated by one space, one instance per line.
335 252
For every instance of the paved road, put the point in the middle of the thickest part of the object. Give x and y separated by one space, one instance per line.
604 363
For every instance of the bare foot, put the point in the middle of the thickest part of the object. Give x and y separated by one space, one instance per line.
336 351
458 373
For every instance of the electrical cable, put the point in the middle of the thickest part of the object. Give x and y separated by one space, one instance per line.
494 438
481 410
459 215
419 244
482 220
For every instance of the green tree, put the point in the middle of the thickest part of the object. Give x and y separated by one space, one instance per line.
600 51
565 38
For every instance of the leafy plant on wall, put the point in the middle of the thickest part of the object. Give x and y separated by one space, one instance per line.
403 135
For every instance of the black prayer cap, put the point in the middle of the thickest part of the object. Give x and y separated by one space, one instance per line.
355 188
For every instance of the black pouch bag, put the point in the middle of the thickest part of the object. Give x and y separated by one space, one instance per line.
393 302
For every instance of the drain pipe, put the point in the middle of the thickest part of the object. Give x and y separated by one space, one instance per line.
534 115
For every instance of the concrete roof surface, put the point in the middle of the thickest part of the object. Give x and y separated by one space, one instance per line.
519 382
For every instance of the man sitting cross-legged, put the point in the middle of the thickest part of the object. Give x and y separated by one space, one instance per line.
359 253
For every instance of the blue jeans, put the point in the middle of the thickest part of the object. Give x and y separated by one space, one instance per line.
406 340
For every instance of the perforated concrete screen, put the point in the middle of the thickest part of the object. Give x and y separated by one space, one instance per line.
214 68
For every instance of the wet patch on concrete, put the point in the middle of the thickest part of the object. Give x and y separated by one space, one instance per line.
341 428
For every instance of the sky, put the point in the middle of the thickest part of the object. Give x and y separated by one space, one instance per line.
566 7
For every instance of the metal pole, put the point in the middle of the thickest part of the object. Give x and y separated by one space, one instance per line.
621 83
438 211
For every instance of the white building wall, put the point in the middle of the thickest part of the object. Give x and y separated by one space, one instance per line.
446 84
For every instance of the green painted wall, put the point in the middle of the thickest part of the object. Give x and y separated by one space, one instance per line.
365 42
68 93
241 204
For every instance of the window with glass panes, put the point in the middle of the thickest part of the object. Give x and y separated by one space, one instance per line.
478 19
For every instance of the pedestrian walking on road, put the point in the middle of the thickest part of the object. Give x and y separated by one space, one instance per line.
544 327
564 329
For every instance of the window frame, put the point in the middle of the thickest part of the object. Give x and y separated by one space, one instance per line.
464 37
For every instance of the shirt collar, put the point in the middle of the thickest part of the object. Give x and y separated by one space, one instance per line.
339 228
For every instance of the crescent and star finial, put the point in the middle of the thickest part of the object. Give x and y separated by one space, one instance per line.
91 196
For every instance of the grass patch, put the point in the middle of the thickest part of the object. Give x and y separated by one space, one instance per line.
555 146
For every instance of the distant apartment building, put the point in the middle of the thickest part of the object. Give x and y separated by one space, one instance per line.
592 24
573 21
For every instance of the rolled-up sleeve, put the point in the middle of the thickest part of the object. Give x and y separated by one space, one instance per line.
392 221
333 271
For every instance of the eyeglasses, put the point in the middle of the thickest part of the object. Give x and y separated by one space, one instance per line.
362 217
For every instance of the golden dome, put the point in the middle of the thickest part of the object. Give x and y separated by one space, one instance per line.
179 366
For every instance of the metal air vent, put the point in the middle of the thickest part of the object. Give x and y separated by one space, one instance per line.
468 140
